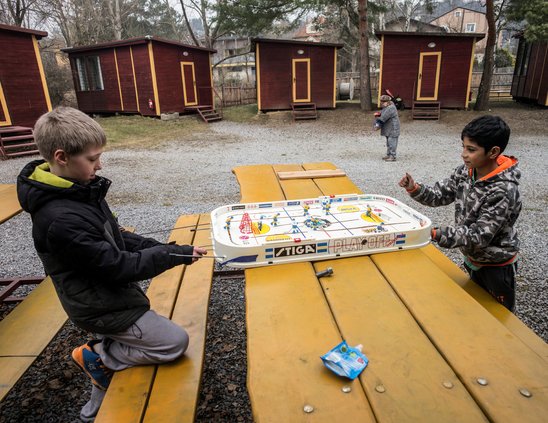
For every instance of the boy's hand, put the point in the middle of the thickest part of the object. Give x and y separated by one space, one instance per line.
198 252
407 182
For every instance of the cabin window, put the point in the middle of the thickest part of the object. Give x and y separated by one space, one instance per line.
90 77
526 57
471 27
457 14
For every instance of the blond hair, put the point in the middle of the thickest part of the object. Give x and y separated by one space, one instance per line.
67 129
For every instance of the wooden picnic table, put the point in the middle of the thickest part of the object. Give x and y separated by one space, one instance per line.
440 349
9 204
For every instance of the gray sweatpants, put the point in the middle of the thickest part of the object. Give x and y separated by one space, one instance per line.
152 339
391 146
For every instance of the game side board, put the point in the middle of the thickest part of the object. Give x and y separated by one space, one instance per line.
258 234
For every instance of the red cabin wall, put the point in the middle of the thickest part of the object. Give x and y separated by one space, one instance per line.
127 84
533 86
275 61
143 75
167 59
106 100
20 78
400 67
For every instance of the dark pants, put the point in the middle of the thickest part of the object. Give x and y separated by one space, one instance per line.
498 281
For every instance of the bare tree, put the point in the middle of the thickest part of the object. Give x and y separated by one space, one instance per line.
482 101
407 9
365 84
16 11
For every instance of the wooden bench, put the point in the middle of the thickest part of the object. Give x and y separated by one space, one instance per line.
9 204
27 330
169 392
404 309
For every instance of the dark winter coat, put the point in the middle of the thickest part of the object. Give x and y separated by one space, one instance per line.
93 264
486 211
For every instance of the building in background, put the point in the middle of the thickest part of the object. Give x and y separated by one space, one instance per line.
427 66
291 72
530 81
146 75
24 93
234 61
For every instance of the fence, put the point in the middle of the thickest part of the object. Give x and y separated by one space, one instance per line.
500 82
232 95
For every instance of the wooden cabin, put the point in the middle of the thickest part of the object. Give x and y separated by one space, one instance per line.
146 75
530 81
24 94
425 68
291 72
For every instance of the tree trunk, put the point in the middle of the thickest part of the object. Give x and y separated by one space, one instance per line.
365 85
482 102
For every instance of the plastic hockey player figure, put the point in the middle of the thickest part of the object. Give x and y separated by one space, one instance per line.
227 221
294 227
306 208
275 219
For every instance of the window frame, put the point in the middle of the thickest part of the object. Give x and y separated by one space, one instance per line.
88 73
473 26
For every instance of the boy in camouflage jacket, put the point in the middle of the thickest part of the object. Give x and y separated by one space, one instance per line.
487 204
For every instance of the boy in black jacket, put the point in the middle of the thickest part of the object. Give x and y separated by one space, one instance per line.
93 263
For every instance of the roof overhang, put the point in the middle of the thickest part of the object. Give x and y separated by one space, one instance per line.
132 42
254 42
38 34
477 35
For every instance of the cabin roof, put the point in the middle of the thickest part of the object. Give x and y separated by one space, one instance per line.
39 34
131 42
296 42
477 35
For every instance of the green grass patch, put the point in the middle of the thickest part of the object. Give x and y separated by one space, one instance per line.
140 131
240 113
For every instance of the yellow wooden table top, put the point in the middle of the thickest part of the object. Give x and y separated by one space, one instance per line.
9 204
438 352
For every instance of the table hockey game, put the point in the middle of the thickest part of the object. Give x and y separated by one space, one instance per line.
266 233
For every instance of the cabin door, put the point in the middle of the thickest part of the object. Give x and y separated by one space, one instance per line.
301 80
189 84
4 112
429 76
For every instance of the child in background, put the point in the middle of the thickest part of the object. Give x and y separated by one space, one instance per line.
487 205
94 264
389 124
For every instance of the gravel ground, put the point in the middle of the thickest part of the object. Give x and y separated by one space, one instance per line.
152 187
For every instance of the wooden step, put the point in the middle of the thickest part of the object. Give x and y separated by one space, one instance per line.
17 141
302 111
208 114
16 146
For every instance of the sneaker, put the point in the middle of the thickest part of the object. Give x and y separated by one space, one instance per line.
386 157
92 365
390 159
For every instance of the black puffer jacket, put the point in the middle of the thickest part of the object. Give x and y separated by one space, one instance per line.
93 264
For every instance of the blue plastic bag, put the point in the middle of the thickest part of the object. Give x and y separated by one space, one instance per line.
345 360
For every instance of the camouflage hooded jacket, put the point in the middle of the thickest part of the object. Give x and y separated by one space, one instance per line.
485 211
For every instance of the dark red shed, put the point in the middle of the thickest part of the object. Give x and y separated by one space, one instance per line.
146 75
24 94
427 66
295 72
530 81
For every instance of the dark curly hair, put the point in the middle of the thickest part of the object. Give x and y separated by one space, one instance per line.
488 132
